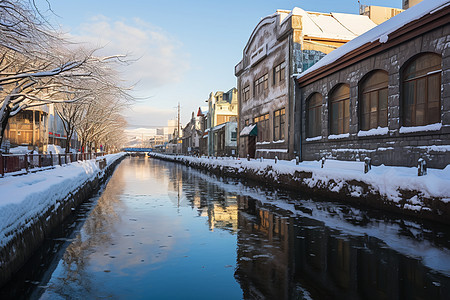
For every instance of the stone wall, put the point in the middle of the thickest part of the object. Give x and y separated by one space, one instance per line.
20 248
393 147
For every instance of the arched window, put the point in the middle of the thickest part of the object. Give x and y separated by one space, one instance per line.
421 96
373 97
340 109
314 115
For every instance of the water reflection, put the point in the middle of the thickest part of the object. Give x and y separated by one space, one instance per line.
284 256
164 231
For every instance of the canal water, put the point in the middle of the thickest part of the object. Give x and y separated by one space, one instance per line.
160 230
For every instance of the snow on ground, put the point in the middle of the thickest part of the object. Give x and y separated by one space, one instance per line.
23 198
387 180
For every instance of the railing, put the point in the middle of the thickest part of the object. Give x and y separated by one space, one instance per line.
17 163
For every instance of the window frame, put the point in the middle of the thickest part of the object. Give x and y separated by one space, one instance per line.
261 84
421 76
279 121
341 101
246 93
371 91
279 73
316 110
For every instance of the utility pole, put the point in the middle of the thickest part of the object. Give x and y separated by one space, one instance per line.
178 121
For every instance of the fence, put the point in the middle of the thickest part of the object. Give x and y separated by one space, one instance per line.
10 163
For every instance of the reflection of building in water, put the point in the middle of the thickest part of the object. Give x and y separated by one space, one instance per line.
211 201
285 257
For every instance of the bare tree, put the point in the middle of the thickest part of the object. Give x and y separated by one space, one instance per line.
38 67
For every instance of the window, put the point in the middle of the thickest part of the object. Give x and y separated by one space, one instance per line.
279 117
261 84
421 97
373 101
263 127
233 136
279 73
246 122
246 93
340 109
314 115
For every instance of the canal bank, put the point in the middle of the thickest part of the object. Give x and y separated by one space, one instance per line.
31 206
395 189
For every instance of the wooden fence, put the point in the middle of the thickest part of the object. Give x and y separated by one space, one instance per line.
10 163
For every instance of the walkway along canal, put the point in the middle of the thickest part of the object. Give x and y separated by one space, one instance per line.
161 230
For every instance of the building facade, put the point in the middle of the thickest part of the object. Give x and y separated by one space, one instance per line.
282 45
222 108
28 128
385 96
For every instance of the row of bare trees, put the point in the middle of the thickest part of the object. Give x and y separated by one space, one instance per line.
38 66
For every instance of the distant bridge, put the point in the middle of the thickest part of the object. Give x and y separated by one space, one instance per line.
137 149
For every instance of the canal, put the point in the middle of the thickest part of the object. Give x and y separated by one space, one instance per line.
160 230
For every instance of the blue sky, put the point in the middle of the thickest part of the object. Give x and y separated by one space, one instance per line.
186 49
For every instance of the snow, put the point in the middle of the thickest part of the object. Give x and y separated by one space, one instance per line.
25 198
381 31
336 25
55 149
338 136
374 131
316 138
272 150
247 129
19 150
388 181
430 127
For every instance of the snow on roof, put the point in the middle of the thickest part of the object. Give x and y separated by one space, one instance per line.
380 32
218 127
247 129
336 25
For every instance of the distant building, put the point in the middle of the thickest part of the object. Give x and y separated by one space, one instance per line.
385 95
28 128
410 3
222 108
282 45
379 14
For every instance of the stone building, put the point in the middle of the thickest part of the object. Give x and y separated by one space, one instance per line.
281 45
384 95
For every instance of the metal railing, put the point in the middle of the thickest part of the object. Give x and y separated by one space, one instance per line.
19 163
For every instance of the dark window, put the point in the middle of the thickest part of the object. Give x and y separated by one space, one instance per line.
233 136
279 117
373 101
421 96
340 109
246 122
261 84
246 93
314 115
279 73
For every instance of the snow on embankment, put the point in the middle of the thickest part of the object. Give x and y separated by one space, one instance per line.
34 203
393 188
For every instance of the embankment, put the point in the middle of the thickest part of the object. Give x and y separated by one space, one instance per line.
31 206
393 189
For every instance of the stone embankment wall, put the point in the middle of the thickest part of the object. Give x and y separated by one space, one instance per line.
24 243
352 191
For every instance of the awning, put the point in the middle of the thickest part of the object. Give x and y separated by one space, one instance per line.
218 127
250 130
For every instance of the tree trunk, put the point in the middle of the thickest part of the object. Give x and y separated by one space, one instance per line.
4 118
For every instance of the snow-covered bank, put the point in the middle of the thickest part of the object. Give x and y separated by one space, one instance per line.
32 204
395 188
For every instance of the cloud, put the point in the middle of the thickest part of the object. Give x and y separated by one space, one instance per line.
147 116
160 57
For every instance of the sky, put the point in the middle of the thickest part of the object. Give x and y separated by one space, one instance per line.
184 50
